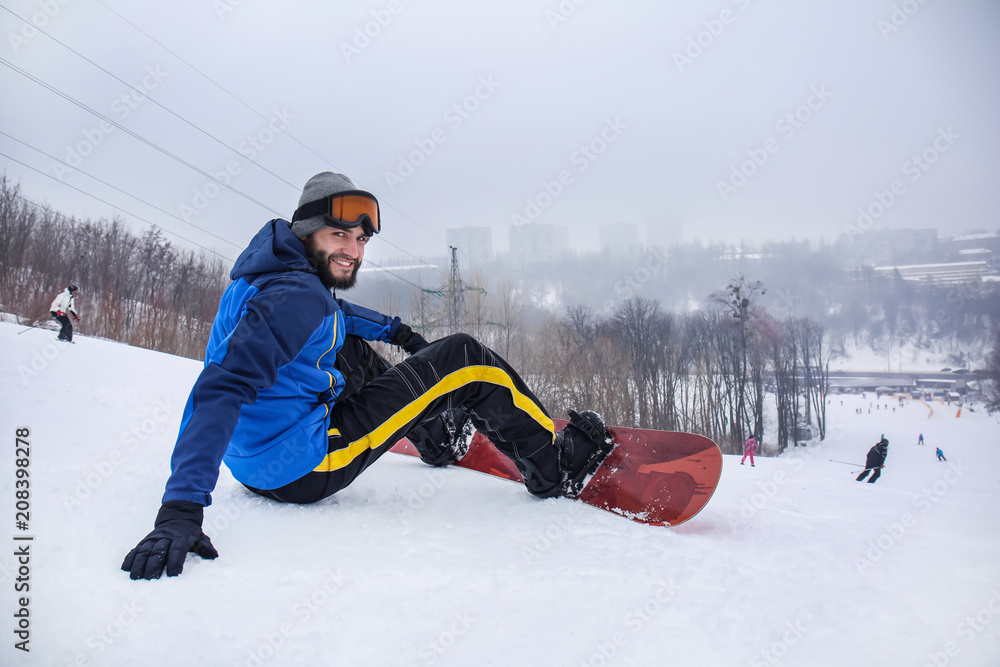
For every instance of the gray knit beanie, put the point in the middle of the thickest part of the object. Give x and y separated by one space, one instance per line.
319 186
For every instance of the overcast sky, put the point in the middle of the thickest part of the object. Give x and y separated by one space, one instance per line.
691 120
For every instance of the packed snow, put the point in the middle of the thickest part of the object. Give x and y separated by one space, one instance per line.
792 562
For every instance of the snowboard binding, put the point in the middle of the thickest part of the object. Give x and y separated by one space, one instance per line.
444 439
583 445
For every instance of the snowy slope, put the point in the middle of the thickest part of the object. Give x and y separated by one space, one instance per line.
792 562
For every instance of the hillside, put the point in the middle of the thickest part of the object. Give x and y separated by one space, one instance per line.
791 563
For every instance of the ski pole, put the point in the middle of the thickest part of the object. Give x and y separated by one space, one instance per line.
872 468
33 326
845 463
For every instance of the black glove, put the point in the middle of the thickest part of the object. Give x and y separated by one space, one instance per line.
409 340
177 531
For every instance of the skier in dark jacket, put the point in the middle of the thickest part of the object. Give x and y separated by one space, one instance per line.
297 405
875 461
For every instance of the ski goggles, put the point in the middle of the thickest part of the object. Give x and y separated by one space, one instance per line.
345 210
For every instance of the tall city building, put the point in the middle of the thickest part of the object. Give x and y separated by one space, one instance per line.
620 240
537 242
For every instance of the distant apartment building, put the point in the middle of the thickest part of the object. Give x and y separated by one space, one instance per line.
894 246
537 242
664 233
974 247
945 273
619 240
474 244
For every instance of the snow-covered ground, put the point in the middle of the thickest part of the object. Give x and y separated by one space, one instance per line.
909 357
792 562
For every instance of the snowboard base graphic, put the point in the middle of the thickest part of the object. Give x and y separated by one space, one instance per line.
653 477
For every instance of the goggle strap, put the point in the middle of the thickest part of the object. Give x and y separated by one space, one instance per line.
312 209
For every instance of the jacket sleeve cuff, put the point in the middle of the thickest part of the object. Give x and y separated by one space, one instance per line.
204 499
393 328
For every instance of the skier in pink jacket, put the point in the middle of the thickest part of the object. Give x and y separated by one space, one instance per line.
748 450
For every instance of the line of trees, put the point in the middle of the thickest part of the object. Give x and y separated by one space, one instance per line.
707 371
711 370
135 288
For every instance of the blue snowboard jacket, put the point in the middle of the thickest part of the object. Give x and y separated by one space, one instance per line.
261 402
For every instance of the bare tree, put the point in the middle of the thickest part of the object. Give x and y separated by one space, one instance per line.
739 298
637 323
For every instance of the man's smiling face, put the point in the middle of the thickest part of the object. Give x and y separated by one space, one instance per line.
336 254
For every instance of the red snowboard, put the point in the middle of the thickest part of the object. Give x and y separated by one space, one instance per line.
655 477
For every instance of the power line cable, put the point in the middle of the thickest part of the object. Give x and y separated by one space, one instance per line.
149 143
69 219
259 114
168 153
146 95
114 187
117 208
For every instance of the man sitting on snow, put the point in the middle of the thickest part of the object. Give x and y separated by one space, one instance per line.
297 405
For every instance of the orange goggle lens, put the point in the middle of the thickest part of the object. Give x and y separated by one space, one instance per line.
346 210
351 209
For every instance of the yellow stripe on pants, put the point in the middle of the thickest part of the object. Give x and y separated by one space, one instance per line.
490 374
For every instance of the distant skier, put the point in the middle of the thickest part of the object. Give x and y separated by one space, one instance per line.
920 440
875 461
63 307
940 455
749 447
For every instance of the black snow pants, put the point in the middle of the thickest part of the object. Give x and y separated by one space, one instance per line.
381 404
876 473
66 333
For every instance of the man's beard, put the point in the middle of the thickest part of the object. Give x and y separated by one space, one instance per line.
321 262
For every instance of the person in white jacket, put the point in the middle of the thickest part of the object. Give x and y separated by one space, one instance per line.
64 307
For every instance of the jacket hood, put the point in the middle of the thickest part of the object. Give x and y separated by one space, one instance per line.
274 249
